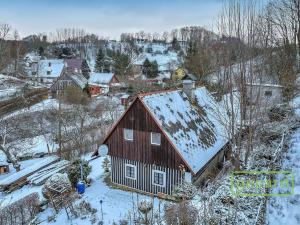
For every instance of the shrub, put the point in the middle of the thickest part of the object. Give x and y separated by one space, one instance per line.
74 171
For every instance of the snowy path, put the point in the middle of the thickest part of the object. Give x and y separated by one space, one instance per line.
286 210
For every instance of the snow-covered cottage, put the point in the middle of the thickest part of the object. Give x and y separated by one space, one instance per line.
4 167
264 94
101 82
49 70
164 138
68 79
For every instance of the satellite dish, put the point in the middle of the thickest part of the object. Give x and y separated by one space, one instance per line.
103 150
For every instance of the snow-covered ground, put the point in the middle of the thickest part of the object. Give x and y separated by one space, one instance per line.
43 105
6 199
286 210
116 203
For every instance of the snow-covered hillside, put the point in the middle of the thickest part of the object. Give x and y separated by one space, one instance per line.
286 210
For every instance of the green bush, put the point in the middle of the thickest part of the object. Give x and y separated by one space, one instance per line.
74 171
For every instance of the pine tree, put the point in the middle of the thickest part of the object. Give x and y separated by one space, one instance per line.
150 69
99 67
146 67
175 45
122 64
85 69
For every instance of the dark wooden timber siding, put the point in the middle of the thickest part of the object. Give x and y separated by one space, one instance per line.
143 180
140 149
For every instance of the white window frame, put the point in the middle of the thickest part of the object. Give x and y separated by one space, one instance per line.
164 178
124 130
153 143
132 166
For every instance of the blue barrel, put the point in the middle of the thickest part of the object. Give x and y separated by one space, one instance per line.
80 187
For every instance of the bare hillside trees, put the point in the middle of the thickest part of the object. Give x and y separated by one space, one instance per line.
283 22
4 34
240 20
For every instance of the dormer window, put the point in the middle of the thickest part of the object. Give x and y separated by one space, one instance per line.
155 138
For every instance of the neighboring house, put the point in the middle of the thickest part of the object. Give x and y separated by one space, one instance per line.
164 138
68 79
264 94
101 82
167 63
101 79
77 65
4 167
49 70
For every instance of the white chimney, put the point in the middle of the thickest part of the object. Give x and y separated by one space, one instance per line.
189 89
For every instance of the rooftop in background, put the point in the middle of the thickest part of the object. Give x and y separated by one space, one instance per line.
101 78
50 68
73 65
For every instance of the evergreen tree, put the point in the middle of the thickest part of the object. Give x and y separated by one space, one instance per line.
175 45
154 69
41 51
100 61
122 64
150 69
74 171
146 67
85 69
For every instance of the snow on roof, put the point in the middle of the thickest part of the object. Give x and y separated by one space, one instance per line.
101 78
79 79
3 159
54 66
265 85
165 61
196 134
16 176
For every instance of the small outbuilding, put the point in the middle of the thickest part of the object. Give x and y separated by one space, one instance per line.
264 94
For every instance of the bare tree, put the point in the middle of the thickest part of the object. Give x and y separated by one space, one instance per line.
4 34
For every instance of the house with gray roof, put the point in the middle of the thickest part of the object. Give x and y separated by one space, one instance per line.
167 137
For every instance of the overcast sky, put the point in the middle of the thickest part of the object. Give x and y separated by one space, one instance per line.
107 18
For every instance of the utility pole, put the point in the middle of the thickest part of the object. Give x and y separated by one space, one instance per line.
59 124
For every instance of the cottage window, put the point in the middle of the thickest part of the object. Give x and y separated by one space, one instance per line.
130 171
155 138
128 134
268 93
158 178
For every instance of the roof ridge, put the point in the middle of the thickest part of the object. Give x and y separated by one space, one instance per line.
144 94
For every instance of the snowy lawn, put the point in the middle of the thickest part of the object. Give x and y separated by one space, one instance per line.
116 203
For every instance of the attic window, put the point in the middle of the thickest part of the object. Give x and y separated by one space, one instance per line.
48 72
155 138
268 93
128 134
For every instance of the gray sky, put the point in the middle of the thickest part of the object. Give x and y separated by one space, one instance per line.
107 18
